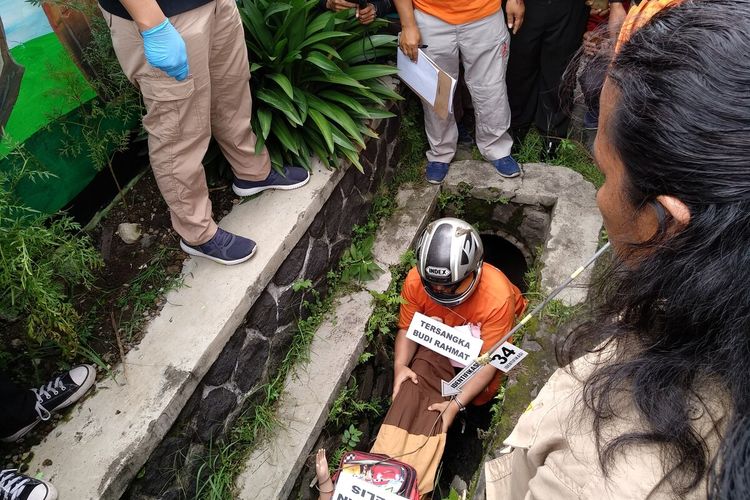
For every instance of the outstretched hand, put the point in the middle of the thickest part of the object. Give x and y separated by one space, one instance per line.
325 484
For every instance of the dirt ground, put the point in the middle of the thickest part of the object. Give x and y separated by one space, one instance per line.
148 264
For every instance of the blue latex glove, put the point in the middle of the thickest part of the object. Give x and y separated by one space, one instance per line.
165 50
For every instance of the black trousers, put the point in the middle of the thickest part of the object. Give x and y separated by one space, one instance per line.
16 406
540 52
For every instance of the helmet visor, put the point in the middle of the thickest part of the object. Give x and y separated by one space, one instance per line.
451 291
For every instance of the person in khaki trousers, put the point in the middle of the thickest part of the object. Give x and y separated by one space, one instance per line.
474 32
189 60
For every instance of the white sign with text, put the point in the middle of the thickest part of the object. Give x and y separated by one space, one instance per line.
443 339
349 487
507 356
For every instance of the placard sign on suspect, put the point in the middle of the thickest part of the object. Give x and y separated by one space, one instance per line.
443 339
349 487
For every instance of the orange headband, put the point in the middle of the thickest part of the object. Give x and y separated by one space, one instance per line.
639 16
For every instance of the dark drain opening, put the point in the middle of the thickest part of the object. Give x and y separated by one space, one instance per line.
464 451
505 256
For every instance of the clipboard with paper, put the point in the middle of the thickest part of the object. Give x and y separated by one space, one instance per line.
428 81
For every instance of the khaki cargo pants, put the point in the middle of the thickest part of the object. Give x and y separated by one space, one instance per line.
181 116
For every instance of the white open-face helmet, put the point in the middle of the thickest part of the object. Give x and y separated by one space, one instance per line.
449 260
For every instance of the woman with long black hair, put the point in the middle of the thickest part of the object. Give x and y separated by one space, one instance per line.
653 400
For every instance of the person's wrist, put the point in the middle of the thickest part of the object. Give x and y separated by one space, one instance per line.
146 31
457 404
326 486
149 23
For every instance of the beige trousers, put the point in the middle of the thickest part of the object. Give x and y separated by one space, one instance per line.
483 48
181 116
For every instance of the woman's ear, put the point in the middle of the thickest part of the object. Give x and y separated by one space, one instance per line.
677 209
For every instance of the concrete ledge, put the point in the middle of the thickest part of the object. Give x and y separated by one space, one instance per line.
110 435
272 469
575 224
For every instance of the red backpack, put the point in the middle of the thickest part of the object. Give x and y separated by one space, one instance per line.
379 470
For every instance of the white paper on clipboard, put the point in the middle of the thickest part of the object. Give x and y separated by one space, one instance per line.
430 82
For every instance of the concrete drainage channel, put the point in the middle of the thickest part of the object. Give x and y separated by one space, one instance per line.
218 341
549 214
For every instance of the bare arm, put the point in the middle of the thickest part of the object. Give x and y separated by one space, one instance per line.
404 348
617 15
404 352
471 389
410 37
145 13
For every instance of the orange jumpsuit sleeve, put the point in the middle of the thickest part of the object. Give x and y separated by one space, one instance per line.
412 293
498 324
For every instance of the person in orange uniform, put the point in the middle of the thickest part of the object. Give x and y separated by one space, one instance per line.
450 283
476 33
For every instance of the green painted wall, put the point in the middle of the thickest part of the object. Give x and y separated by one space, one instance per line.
51 87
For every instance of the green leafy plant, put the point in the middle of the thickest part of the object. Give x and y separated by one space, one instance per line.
351 437
384 317
530 149
101 127
349 440
453 495
455 200
41 259
347 407
145 290
357 263
413 142
301 285
364 357
575 156
313 84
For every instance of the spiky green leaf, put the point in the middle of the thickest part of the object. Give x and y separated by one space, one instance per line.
275 8
322 62
264 120
325 128
280 102
284 134
341 98
370 71
284 83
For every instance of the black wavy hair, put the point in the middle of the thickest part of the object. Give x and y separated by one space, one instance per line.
678 317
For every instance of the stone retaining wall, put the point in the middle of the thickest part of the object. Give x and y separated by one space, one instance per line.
254 353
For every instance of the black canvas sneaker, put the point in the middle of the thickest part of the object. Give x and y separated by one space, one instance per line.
15 486
62 391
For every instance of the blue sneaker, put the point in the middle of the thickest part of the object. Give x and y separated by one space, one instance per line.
507 167
436 171
292 178
225 248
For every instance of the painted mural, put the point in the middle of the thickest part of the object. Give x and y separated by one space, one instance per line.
51 83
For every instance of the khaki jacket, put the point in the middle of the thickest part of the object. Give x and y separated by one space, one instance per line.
551 453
